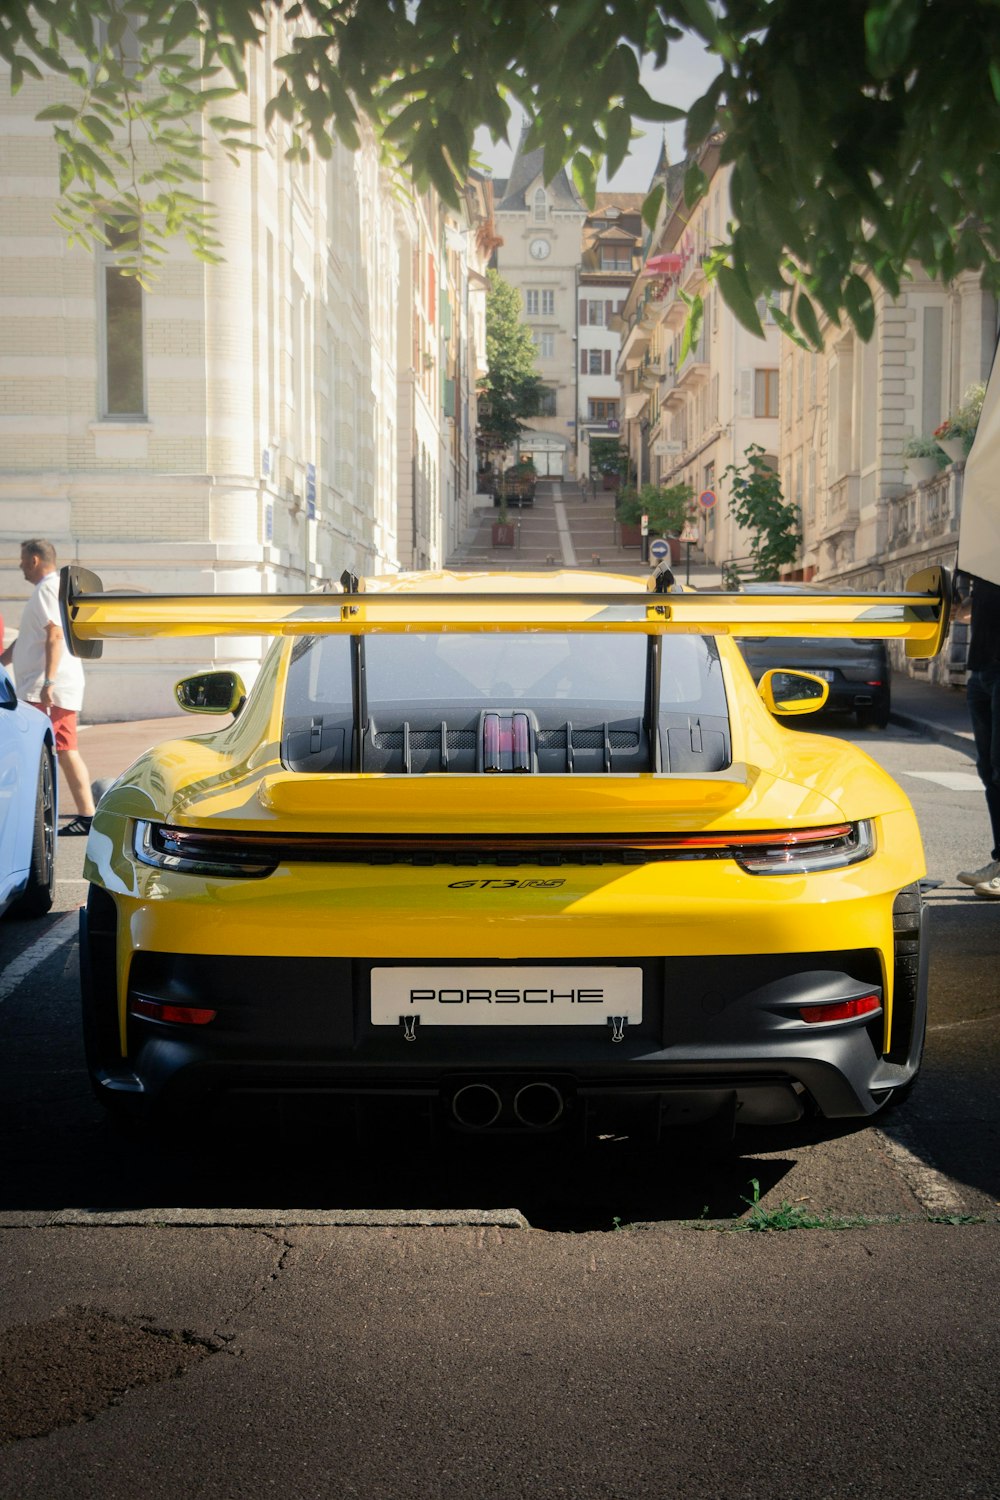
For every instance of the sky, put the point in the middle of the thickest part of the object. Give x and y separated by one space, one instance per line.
689 71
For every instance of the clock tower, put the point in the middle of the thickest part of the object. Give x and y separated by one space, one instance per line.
541 224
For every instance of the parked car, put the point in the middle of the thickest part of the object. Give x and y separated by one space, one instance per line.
522 852
858 671
27 806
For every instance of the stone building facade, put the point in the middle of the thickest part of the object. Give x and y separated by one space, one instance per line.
259 426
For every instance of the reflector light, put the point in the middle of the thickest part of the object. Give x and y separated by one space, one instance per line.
841 1010
181 1015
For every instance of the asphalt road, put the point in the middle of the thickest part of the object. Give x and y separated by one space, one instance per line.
261 1308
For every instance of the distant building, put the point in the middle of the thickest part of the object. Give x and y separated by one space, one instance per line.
688 418
610 253
541 227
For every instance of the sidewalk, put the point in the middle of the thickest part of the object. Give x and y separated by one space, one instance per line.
928 708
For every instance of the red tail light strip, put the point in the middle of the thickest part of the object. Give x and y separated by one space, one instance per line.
841 1010
219 843
182 1015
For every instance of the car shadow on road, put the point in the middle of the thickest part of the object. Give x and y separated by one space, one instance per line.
270 1157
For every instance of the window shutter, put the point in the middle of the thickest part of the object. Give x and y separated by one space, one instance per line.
746 393
583 361
609 312
583 311
607 361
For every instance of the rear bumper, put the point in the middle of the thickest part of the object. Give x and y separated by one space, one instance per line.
717 1034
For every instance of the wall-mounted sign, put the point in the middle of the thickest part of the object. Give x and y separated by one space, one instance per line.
664 447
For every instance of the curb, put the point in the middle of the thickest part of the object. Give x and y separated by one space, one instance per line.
944 736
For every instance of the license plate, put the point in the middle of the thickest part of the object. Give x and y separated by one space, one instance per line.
583 996
823 672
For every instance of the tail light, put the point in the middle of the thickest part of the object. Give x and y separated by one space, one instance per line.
841 1010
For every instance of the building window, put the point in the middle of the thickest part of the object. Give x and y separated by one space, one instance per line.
546 345
541 206
602 410
595 314
615 258
540 304
123 364
595 362
546 402
765 393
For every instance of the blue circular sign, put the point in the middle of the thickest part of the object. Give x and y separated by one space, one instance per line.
659 548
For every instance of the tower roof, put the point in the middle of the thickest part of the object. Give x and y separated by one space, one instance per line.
528 167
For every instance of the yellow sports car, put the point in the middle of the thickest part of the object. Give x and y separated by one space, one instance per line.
526 852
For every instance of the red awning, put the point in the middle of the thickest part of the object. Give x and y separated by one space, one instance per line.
663 265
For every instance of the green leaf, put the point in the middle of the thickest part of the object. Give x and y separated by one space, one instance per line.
692 324
619 138
860 306
651 205
701 117
57 112
736 295
805 315
695 184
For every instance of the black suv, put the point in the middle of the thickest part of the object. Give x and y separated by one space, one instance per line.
858 671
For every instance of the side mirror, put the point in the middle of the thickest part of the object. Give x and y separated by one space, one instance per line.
8 695
211 693
786 692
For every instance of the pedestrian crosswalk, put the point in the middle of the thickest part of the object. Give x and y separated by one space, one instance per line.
952 781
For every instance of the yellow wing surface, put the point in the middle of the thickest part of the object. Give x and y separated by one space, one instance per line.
469 602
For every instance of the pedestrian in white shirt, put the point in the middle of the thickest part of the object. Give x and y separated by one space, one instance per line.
48 676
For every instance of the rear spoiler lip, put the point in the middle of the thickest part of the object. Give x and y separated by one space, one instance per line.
919 615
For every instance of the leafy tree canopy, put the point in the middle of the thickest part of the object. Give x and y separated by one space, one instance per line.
757 504
510 390
861 132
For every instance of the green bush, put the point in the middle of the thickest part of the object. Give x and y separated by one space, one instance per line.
667 507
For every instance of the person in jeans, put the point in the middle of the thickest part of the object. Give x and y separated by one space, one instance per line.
48 676
983 695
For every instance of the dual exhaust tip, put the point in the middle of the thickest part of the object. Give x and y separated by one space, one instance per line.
535 1106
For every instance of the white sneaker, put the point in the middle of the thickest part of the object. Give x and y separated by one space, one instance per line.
989 888
979 877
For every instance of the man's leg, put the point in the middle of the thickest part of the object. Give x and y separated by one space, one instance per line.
983 693
77 776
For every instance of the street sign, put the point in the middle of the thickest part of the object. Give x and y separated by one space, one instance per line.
666 447
706 499
659 548
644 525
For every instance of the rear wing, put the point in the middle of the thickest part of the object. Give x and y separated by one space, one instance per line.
918 616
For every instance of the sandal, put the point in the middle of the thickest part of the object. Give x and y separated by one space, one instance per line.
77 827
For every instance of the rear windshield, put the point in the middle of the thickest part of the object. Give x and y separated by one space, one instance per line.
571 671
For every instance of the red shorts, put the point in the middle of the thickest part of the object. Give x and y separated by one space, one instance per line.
63 725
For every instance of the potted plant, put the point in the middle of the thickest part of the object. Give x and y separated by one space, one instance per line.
956 432
503 526
924 458
628 514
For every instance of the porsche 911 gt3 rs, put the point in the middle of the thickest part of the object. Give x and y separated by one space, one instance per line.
533 852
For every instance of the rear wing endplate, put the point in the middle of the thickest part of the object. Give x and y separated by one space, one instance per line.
918 616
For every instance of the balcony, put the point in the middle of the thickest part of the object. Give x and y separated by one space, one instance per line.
928 513
694 369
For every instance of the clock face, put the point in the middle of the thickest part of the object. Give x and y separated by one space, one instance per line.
540 249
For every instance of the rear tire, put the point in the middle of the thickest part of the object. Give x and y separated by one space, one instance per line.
909 1008
875 717
39 893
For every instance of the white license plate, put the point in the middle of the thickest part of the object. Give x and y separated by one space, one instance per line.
823 672
583 996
